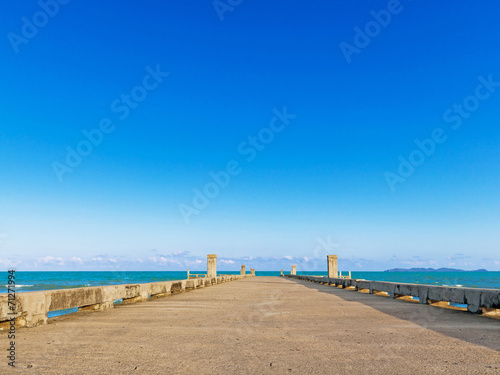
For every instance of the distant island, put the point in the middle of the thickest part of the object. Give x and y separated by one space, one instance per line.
432 270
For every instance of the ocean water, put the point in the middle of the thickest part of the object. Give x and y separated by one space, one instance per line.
32 281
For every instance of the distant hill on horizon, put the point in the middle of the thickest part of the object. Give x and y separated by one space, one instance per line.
433 270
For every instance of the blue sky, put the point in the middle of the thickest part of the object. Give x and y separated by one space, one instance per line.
312 144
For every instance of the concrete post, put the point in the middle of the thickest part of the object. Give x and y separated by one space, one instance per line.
188 274
332 266
243 269
294 270
211 265
281 272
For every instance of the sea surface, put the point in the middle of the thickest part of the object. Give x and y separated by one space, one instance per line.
32 281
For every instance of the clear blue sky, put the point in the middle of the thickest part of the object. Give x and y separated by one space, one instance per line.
330 173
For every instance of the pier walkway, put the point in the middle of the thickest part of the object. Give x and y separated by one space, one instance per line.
263 325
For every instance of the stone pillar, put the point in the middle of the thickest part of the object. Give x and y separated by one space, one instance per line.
252 271
243 269
281 272
294 270
188 274
211 265
332 266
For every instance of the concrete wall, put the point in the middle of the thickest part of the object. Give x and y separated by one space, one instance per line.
32 307
477 300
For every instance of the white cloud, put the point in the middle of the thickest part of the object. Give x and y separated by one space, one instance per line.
180 253
164 260
9 263
50 260
161 260
271 263
192 262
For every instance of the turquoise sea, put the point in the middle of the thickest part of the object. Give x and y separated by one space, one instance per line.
32 281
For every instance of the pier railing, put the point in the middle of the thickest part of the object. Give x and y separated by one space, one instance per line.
486 301
348 276
31 308
195 275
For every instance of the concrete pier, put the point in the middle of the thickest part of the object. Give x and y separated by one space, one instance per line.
32 308
261 325
332 266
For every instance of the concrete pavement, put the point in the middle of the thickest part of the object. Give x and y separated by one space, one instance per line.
263 325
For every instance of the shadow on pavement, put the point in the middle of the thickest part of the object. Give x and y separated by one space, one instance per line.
461 325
